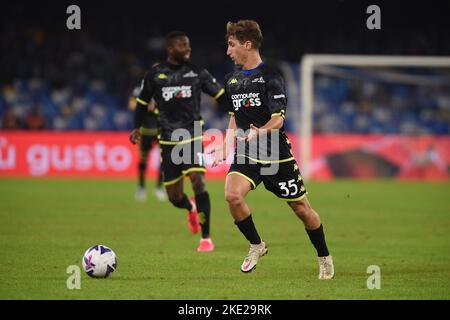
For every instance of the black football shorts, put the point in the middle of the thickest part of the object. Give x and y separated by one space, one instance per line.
178 160
283 180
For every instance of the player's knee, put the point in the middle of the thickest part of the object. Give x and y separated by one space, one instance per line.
198 182
198 186
233 197
303 209
174 197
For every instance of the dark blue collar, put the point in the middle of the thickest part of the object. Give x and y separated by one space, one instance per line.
250 71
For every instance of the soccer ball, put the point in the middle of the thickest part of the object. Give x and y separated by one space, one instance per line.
99 261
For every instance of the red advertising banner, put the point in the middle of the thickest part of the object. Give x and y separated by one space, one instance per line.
84 154
110 154
381 156
66 154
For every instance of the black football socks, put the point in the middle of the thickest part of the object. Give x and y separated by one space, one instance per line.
247 227
159 183
204 212
184 203
141 168
317 238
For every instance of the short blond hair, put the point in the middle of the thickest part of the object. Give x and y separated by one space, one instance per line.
245 30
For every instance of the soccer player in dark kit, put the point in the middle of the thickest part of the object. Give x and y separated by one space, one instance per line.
176 86
257 100
149 137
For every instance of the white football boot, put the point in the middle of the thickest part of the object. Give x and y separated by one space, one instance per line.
256 251
160 193
326 268
141 195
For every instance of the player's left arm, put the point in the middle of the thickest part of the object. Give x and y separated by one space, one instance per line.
275 123
212 88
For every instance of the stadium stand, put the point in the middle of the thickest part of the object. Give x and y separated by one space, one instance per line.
83 83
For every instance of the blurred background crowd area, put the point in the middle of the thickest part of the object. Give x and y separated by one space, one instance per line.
55 79
382 100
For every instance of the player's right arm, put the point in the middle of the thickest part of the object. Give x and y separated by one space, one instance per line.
142 101
222 151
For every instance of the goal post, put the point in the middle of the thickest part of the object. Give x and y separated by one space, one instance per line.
308 65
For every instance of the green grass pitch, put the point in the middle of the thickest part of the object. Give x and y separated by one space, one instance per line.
47 224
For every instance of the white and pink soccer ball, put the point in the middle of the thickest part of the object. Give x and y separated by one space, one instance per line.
99 261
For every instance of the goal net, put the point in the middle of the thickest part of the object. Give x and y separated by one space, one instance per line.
397 107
